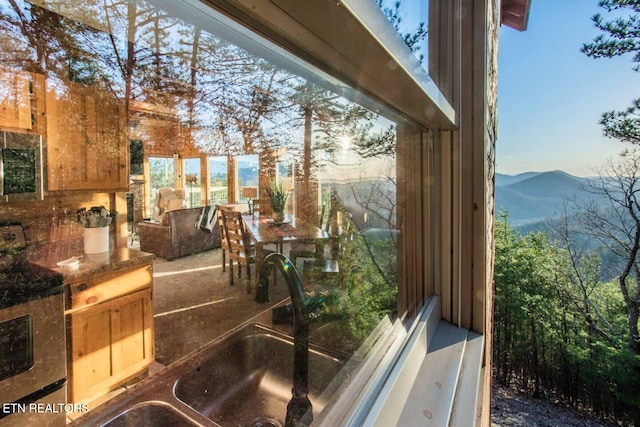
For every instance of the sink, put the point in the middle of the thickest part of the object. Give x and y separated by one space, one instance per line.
247 379
150 414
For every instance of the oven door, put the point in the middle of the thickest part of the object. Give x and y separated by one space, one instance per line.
32 347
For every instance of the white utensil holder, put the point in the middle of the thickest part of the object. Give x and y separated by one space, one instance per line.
96 240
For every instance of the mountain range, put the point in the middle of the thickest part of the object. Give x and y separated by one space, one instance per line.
530 198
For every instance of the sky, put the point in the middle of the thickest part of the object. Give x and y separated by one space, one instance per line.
551 95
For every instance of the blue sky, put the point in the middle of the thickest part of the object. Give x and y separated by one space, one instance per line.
551 96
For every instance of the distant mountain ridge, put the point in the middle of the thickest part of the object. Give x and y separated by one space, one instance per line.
531 197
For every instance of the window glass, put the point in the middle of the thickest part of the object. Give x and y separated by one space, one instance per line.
192 179
410 19
218 180
247 176
161 174
187 83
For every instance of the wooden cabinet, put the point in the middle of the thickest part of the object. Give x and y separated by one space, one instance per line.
84 128
110 331
15 100
87 138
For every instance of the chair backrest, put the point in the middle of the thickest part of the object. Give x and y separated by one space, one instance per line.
223 233
258 206
237 236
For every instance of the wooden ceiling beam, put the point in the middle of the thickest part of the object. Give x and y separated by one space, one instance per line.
515 13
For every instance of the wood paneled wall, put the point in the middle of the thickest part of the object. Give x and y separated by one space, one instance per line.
463 39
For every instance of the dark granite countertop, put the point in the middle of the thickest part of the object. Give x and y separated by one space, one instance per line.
90 264
23 282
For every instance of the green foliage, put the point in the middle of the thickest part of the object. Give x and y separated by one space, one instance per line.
278 196
525 312
364 293
394 15
623 125
161 172
622 37
544 341
369 297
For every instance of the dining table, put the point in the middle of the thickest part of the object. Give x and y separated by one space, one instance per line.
264 231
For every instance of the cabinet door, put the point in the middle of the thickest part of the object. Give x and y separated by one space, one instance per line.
87 142
132 332
15 100
110 342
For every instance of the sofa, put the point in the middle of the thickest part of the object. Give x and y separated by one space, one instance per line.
179 233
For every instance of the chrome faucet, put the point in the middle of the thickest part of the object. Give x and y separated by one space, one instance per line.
299 410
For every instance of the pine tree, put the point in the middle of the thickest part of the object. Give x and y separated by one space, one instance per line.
620 36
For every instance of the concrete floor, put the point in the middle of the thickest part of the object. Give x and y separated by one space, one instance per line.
193 303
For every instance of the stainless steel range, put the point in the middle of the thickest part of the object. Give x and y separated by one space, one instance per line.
32 337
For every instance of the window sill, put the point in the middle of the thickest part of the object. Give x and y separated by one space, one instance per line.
427 373
446 389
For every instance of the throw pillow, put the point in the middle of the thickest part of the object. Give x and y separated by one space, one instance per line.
207 219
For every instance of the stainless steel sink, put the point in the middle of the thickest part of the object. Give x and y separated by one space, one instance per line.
150 414
247 380
243 379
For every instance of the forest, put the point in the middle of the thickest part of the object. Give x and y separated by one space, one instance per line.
560 333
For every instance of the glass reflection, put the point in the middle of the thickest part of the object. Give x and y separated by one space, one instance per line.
118 71
409 18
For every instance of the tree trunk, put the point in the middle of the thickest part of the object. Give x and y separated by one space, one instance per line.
307 204
535 358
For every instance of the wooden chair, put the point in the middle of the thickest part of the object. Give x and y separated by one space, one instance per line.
258 206
224 245
306 249
320 269
241 249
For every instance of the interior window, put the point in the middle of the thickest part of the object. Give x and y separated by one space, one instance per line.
161 174
218 180
192 179
247 172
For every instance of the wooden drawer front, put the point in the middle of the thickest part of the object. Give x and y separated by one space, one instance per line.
103 288
110 343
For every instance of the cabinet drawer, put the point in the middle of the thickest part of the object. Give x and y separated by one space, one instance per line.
106 287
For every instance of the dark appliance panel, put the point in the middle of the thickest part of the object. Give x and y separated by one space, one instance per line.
16 346
33 348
